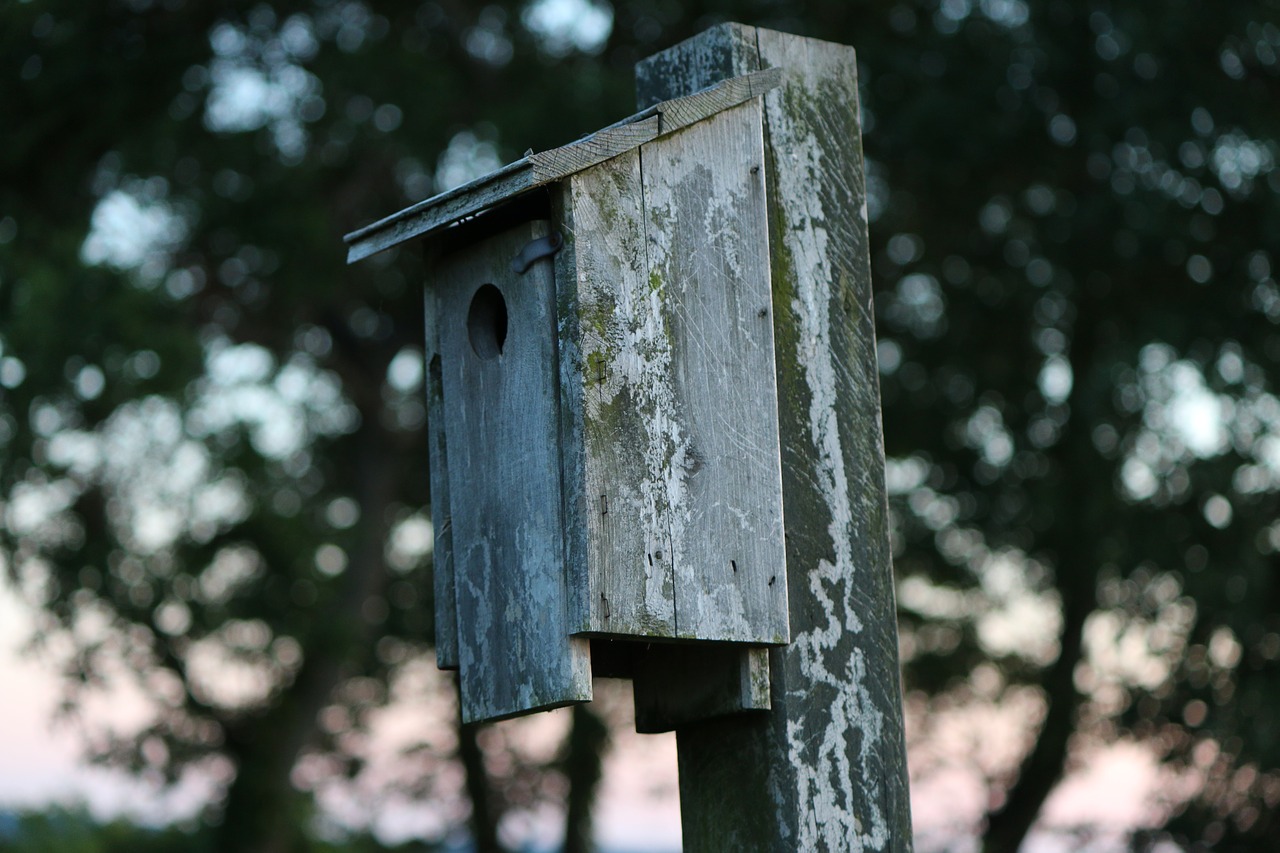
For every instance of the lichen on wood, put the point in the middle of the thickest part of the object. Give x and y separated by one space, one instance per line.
825 769
675 387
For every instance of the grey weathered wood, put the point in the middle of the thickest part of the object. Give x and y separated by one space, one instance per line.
708 258
700 63
679 684
651 399
716 97
615 377
538 169
515 649
668 366
446 613
641 429
825 769
441 210
600 146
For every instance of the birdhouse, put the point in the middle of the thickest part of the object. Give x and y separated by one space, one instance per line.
603 416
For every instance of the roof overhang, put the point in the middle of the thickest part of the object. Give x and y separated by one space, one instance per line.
538 169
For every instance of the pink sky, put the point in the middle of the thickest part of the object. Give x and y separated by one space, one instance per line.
638 807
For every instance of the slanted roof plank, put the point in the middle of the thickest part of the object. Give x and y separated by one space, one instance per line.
602 145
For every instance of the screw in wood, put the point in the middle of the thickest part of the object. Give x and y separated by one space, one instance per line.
597 364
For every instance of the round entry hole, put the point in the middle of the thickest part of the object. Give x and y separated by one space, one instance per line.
487 322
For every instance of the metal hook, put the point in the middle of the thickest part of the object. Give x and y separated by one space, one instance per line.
543 247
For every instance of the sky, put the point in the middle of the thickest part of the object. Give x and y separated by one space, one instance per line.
638 808
39 757
1110 788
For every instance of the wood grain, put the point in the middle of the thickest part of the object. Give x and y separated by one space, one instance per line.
600 146
446 612
708 257
616 376
515 649
668 365
825 769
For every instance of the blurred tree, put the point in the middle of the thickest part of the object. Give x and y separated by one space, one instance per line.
212 462
214 481
1074 229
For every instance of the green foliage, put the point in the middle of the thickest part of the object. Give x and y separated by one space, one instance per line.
74 831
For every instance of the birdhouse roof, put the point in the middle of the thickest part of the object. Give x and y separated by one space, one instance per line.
538 169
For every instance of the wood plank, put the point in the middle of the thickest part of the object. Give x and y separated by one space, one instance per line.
826 768
539 169
446 613
600 146
696 64
708 258
679 684
682 112
574 502
440 211
616 375
499 356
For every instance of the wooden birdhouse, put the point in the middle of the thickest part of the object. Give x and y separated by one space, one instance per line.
603 415
626 336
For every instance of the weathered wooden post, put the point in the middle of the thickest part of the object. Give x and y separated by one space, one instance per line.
825 769
656 446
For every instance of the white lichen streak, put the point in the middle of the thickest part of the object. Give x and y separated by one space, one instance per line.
821 758
638 336
721 268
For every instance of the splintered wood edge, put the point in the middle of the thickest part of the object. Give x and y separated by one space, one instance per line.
535 170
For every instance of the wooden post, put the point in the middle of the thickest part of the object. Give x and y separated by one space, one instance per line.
825 769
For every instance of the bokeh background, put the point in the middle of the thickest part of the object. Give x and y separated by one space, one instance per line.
214 528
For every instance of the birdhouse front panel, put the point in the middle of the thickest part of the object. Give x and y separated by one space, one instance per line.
498 366
667 371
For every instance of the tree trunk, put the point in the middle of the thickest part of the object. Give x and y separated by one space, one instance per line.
1076 572
583 768
264 813
484 816
1043 767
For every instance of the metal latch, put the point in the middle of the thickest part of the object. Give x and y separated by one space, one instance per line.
543 247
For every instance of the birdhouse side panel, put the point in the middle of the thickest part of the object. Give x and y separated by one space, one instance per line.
708 255
616 380
446 612
498 352
668 363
